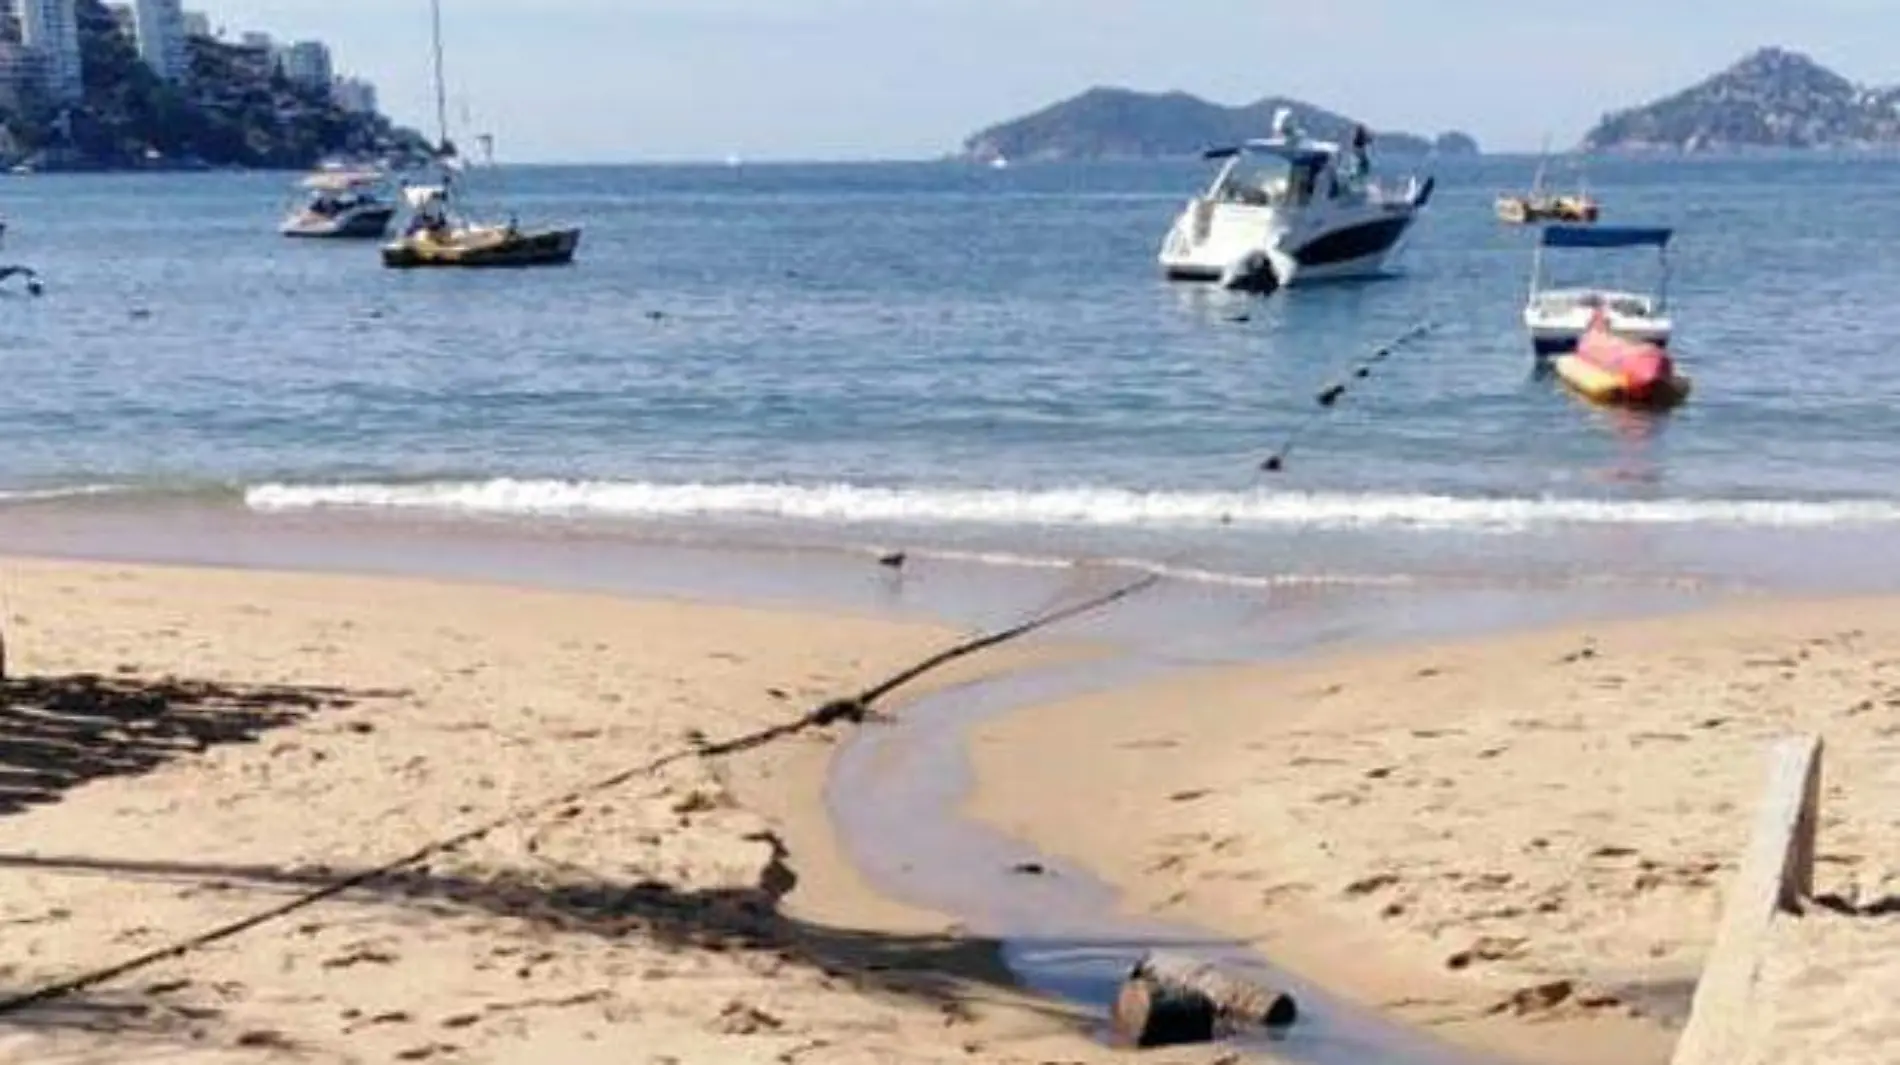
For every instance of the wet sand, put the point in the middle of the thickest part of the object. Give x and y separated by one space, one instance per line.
1518 842
181 748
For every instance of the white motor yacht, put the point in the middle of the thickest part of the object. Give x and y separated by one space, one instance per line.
1290 209
1557 316
344 204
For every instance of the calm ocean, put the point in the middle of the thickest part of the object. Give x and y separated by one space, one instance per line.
967 360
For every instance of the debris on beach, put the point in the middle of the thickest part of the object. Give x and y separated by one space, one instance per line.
1168 1000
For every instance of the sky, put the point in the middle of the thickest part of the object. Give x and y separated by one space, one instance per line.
670 80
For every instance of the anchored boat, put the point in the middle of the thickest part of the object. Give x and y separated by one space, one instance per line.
438 234
341 204
1610 345
1558 317
1289 209
1539 206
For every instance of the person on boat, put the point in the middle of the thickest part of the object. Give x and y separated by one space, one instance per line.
1361 148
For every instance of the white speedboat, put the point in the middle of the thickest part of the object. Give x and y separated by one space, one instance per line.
1556 317
1289 209
344 204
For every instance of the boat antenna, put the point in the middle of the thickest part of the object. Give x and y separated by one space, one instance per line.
441 89
1327 398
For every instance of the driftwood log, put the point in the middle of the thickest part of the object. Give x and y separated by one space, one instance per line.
1168 1000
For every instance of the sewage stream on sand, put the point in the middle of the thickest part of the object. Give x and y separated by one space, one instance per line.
895 795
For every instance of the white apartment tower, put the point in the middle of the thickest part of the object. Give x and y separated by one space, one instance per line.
162 42
50 29
308 64
354 95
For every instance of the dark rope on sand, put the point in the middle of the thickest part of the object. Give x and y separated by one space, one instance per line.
1329 397
854 709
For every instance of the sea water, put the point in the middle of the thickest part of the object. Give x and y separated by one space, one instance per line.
952 358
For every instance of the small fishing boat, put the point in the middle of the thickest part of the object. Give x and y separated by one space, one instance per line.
341 204
1520 210
1538 206
438 235
1558 317
1610 368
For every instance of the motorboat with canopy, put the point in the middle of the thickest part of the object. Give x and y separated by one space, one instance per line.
1557 316
1289 209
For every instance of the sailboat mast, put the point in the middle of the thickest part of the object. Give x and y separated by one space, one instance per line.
441 89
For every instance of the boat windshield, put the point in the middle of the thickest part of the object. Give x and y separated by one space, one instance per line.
1623 304
1272 181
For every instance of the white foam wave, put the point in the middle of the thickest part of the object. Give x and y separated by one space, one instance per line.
1190 574
1073 507
48 495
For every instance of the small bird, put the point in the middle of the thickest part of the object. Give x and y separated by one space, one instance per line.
894 560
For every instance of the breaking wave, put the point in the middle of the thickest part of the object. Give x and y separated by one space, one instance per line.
1064 507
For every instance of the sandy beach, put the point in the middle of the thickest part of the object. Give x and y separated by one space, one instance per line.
184 747
1520 842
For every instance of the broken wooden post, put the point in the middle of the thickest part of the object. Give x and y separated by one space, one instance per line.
1167 1000
1777 876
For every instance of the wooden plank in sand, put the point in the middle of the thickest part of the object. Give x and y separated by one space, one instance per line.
1776 876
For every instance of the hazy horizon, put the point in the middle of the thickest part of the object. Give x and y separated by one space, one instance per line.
653 81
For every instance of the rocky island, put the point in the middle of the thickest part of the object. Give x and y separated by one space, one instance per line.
235 108
1771 99
1108 123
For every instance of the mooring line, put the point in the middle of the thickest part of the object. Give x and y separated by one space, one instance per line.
1329 397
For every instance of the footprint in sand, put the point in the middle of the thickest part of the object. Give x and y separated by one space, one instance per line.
264 1039
1486 949
1371 885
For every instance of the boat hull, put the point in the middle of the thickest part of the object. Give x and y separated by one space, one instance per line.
1622 371
1551 341
547 248
1238 243
360 225
1556 322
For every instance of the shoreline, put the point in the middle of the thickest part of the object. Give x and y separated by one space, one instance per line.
1372 805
